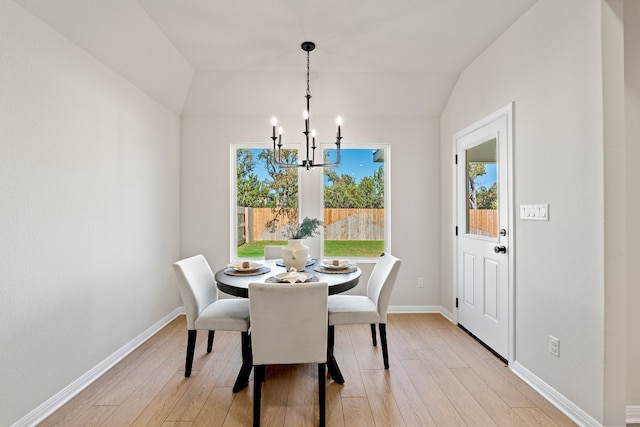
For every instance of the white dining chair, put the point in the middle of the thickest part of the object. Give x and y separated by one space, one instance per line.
370 308
205 311
288 326
272 252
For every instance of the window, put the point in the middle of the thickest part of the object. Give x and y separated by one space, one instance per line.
354 204
265 198
482 190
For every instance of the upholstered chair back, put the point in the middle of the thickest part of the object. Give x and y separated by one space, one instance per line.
381 283
288 323
197 286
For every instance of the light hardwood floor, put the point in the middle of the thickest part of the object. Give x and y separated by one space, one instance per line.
438 376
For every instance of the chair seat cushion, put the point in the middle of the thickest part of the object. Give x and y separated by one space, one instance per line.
352 309
230 314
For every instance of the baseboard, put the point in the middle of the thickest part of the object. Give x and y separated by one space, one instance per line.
63 396
421 309
633 414
558 400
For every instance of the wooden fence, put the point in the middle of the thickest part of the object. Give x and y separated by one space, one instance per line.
339 224
483 222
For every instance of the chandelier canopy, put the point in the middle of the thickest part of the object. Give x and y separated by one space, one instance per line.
309 161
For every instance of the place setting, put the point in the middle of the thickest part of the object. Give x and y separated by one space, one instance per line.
246 268
292 276
336 266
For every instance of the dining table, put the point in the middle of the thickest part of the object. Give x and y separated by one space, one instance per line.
234 280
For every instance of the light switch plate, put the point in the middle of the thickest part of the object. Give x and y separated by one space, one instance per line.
535 212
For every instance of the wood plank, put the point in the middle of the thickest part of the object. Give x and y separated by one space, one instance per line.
498 384
535 417
543 404
357 412
411 406
345 354
215 409
434 399
468 408
93 416
492 404
381 400
161 405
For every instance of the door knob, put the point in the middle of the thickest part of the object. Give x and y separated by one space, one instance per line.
500 249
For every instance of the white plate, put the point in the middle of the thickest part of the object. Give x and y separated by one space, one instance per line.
281 277
253 266
328 263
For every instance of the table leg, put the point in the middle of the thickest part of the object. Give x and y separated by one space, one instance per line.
332 365
242 380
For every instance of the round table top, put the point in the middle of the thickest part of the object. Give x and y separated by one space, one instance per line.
238 285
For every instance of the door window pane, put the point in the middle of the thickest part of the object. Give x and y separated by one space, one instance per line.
482 190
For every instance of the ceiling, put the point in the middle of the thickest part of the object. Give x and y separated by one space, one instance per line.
165 46
426 36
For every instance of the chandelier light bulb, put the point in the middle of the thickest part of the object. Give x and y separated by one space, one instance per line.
305 114
274 121
339 121
280 130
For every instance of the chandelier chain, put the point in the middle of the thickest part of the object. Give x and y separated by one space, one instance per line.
308 90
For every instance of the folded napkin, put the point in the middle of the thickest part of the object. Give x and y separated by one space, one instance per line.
293 276
337 263
245 265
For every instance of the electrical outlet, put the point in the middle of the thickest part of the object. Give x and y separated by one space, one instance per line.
420 282
554 346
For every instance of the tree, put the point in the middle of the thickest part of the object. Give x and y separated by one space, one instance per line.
342 193
283 186
250 191
475 169
345 192
487 198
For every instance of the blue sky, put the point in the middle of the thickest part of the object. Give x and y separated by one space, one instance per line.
355 162
489 178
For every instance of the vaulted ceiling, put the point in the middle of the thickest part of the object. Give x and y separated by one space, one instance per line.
184 52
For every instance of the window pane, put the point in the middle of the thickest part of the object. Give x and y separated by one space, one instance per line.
354 204
266 200
482 190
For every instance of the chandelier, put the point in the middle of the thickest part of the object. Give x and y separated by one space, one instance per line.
309 161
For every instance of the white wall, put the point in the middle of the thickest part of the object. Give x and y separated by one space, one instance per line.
414 189
632 98
89 208
549 64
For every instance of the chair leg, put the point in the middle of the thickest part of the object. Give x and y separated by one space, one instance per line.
322 392
191 346
373 335
210 341
247 362
258 372
383 340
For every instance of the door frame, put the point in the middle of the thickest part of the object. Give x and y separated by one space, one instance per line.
508 112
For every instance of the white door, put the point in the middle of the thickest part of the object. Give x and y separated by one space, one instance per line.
483 230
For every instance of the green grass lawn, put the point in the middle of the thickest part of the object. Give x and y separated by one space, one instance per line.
332 248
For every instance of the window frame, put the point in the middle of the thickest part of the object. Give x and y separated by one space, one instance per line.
310 201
